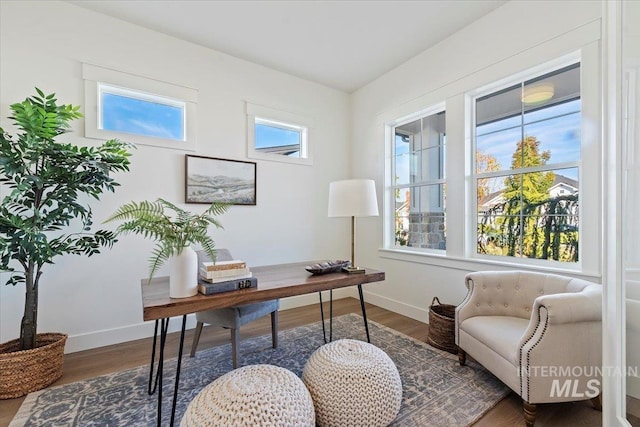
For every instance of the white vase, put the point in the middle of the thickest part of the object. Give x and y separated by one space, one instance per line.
183 281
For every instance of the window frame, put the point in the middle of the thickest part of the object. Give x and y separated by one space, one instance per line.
262 114
142 88
461 243
391 187
519 79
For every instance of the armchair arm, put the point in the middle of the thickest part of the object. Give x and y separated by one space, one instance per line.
584 306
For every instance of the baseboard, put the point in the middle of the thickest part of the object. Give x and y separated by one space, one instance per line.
633 387
142 330
107 337
417 313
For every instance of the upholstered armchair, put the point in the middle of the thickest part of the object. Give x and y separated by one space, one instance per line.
540 334
233 318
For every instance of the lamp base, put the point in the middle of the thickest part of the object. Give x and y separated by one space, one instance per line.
353 270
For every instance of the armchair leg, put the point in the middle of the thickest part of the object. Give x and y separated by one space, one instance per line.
597 402
529 413
235 340
274 328
196 339
462 357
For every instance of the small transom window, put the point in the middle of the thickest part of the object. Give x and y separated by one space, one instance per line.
277 135
135 112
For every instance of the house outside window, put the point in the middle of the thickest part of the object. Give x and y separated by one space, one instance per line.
418 182
527 142
277 135
279 138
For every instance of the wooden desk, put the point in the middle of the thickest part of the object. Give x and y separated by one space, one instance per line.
274 281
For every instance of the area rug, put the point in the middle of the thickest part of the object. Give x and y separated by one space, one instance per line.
437 391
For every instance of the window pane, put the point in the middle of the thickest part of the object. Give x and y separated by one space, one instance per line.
419 158
277 140
559 136
420 217
419 150
497 149
532 215
402 159
499 110
131 115
531 124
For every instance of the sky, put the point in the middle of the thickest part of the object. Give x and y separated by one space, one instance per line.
136 116
271 136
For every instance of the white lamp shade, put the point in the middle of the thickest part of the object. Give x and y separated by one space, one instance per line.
353 197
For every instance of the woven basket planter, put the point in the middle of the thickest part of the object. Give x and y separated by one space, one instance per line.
22 372
442 318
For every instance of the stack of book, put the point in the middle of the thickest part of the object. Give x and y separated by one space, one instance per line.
225 276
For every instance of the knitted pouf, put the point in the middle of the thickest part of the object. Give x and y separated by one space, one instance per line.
255 395
353 384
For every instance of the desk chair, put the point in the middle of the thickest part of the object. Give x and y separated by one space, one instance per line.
234 317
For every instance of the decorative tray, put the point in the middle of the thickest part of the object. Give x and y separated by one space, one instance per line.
327 267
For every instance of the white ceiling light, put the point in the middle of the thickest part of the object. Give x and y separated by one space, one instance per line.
537 93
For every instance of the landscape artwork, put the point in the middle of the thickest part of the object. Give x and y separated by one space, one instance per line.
209 179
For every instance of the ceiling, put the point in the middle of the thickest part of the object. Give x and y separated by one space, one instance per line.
340 44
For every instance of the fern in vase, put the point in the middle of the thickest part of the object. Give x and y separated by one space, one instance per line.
171 227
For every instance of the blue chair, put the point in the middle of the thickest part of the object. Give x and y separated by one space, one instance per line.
234 317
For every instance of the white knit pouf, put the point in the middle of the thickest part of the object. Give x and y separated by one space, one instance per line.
254 395
353 383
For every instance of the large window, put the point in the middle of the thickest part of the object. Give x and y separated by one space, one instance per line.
418 182
527 168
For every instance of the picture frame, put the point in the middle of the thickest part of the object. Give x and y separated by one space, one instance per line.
212 179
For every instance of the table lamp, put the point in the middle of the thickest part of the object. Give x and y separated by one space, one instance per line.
353 198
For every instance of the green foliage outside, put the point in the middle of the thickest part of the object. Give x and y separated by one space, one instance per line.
529 223
47 181
171 227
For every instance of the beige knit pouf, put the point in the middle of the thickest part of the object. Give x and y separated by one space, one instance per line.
353 384
254 395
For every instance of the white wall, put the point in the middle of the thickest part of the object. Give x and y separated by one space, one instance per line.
97 300
631 201
511 39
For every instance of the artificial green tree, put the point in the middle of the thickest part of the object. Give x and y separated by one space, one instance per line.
48 182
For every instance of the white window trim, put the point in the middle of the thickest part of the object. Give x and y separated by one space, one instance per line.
281 119
142 87
389 199
460 242
472 200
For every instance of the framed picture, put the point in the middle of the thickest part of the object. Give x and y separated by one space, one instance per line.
209 179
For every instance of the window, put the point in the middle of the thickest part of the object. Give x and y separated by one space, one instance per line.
138 109
527 140
418 182
279 138
277 135
138 113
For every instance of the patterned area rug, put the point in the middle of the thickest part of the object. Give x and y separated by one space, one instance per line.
437 391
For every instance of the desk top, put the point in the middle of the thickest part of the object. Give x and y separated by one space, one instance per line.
274 281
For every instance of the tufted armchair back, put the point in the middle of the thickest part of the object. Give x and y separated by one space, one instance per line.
512 293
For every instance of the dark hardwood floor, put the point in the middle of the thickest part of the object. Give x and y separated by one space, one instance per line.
91 363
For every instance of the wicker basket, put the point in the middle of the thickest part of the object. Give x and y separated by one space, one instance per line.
22 372
442 318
